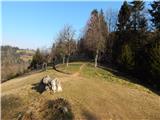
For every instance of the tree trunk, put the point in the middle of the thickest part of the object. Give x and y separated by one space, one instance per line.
54 66
67 60
96 58
63 59
44 66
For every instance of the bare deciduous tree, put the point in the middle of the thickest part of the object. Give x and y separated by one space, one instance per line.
111 18
96 34
65 44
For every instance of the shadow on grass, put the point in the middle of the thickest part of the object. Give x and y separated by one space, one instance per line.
128 77
88 115
38 87
62 71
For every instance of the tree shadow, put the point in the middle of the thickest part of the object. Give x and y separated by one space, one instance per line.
62 71
38 87
88 115
127 77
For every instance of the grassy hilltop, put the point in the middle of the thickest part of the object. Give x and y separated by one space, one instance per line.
93 94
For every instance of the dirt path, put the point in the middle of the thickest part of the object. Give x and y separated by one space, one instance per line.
78 72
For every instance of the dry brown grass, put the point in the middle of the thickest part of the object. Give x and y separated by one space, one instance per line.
92 96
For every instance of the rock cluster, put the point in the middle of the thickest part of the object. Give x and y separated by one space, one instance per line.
52 84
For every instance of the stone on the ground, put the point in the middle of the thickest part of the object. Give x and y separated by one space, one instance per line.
59 88
52 84
46 80
47 88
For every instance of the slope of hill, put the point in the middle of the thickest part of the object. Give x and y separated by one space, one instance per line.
14 61
94 94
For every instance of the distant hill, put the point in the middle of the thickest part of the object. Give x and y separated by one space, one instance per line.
14 61
12 55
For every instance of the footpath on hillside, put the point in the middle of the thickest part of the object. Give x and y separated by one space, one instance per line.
78 72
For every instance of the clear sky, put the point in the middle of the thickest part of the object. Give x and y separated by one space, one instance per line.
36 24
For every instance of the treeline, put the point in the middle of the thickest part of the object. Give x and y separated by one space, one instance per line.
133 45
135 48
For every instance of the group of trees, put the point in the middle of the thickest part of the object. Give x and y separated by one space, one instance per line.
134 46
94 39
62 49
65 44
124 39
40 59
136 49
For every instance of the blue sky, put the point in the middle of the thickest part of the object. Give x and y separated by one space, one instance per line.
36 24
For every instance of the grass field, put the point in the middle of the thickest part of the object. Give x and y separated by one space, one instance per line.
94 94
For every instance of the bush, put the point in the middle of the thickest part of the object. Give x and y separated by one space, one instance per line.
127 57
59 109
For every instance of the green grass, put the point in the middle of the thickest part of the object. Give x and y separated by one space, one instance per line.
91 72
72 68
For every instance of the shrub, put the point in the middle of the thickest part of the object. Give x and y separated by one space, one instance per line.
127 57
59 109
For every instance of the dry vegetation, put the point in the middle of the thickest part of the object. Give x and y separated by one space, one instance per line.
13 71
92 93
14 61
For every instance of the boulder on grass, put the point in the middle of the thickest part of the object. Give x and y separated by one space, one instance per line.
52 84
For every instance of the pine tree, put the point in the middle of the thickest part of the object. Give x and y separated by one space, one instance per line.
122 51
143 24
155 13
37 59
138 20
148 63
124 16
126 57
60 49
138 24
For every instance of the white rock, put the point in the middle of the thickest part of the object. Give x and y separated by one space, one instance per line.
59 88
46 80
53 85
